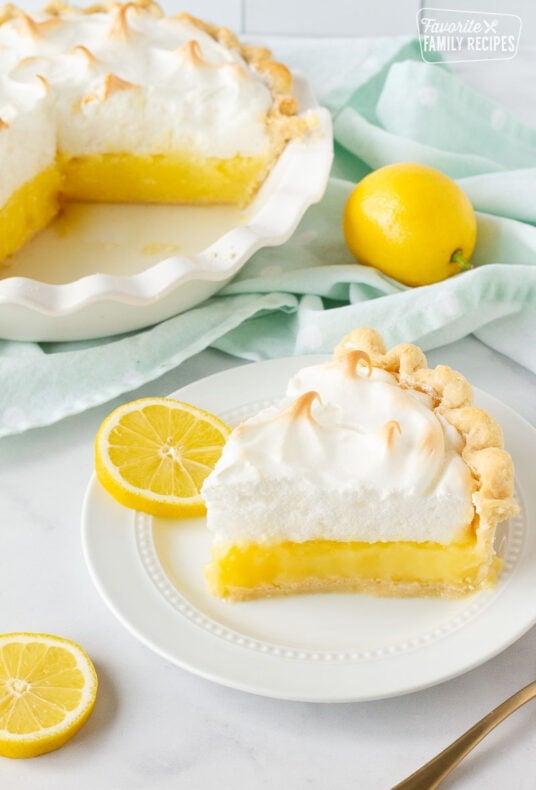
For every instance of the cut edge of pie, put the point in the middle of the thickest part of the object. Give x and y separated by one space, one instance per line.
242 571
175 176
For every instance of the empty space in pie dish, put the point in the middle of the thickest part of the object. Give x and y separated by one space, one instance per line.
119 239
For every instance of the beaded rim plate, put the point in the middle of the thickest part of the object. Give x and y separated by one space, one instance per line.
140 281
323 648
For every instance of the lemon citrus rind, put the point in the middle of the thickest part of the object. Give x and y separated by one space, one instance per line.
41 741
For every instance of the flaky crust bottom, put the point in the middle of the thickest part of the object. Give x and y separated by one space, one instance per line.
377 587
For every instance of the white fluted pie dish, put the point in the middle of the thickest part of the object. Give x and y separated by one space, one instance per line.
101 270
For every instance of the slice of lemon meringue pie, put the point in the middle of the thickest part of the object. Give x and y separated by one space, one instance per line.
377 474
119 103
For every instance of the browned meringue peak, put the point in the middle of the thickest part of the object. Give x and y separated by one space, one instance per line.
147 6
349 361
191 53
8 12
85 53
60 8
30 28
119 28
35 62
432 440
28 61
3 124
302 406
389 431
110 85
150 7
99 8
44 83
223 35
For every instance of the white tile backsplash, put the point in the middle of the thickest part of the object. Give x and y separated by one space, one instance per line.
328 17
223 12
331 18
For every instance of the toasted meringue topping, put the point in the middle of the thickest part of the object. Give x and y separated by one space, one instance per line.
89 57
209 99
389 431
302 406
57 7
44 83
28 27
119 27
351 360
191 53
364 441
113 84
110 85
8 12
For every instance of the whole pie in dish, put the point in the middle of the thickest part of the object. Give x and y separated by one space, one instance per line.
376 474
119 103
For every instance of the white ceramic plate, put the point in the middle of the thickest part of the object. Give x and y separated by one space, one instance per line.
105 269
324 648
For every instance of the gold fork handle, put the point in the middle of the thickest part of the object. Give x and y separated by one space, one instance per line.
431 774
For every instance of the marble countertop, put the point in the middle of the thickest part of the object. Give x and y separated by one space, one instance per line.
156 726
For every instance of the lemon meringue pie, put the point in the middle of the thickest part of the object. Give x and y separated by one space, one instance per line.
376 474
120 103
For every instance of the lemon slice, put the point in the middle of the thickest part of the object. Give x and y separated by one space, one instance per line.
154 454
48 687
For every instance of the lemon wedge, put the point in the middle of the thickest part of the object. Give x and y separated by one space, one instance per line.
48 687
154 454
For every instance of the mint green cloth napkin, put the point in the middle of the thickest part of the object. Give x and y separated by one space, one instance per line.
301 297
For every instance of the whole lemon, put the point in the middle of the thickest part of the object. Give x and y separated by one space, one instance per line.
411 222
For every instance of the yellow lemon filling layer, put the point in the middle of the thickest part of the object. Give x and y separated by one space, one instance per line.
125 178
28 210
244 571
